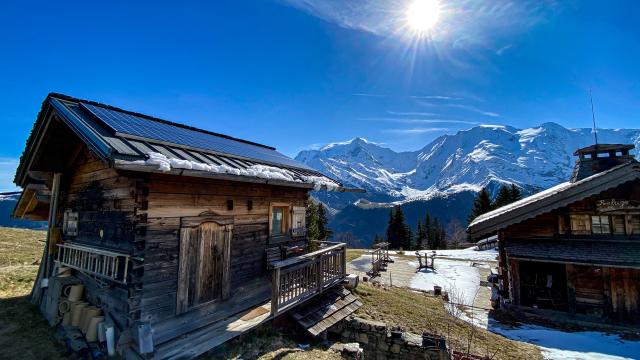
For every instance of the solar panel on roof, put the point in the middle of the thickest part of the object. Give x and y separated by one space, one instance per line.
139 126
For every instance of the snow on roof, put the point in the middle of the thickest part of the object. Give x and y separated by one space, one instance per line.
533 205
164 163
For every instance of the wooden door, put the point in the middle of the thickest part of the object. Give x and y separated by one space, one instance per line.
205 251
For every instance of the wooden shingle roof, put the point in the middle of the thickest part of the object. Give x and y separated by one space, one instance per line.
594 252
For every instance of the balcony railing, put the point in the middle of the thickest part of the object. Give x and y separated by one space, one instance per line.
300 278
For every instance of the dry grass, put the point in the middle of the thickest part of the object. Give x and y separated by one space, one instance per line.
265 343
416 312
24 334
353 254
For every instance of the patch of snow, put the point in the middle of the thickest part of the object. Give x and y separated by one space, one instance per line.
362 264
470 254
582 345
165 164
453 276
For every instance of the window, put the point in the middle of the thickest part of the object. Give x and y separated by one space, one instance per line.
634 225
580 225
600 225
279 220
617 222
298 221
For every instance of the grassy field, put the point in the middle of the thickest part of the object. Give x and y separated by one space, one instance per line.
417 313
24 334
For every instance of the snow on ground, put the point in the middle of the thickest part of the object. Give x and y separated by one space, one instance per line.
455 277
558 344
470 254
362 264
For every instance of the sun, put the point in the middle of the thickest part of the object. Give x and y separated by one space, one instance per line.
423 15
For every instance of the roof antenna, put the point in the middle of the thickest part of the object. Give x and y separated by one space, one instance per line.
593 116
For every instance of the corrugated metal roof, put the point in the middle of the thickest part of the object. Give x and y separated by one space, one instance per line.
129 138
127 124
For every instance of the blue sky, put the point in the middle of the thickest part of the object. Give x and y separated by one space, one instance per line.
297 74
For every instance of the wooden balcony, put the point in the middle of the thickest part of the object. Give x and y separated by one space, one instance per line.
300 278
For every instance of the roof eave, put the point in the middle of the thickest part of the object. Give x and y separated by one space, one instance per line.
50 107
129 166
482 227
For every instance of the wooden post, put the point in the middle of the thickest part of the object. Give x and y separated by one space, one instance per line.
226 266
319 273
275 291
45 263
344 260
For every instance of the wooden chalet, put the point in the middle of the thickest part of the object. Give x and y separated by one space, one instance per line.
575 247
182 238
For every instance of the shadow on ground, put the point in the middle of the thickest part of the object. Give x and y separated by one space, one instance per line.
24 333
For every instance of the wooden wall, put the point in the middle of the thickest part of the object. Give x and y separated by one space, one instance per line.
139 214
106 203
167 198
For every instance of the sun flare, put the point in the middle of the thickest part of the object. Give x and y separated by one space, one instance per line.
423 15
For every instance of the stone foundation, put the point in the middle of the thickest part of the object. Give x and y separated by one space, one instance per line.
378 342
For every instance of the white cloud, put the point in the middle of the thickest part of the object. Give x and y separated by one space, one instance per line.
414 131
419 121
435 97
503 49
463 107
462 22
368 95
7 171
410 113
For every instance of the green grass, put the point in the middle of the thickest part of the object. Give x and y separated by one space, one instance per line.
24 334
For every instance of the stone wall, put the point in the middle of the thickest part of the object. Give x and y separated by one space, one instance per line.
379 342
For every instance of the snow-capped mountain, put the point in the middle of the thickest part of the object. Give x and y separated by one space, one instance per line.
534 158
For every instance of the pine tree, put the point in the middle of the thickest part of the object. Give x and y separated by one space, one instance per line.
391 233
516 193
377 240
482 204
420 236
434 237
428 232
311 219
442 243
503 198
323 230
398 232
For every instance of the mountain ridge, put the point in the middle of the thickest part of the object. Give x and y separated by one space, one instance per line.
483 156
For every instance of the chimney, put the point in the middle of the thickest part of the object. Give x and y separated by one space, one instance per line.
598 158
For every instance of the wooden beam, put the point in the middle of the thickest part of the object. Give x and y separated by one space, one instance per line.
45 263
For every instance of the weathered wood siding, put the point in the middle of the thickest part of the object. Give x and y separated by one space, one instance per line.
106 203
169 198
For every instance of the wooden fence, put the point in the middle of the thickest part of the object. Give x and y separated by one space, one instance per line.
302 277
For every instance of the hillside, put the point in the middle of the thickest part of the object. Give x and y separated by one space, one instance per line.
363 223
